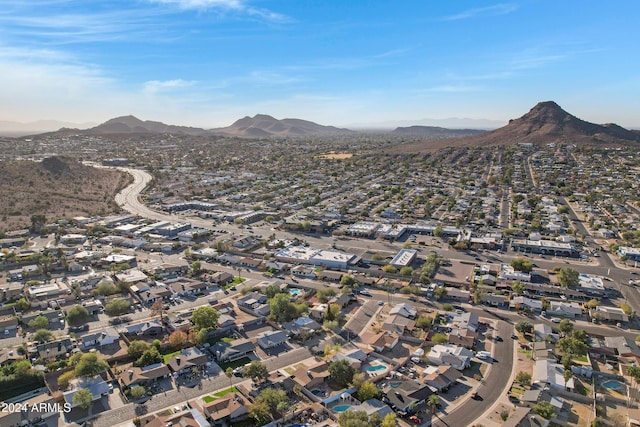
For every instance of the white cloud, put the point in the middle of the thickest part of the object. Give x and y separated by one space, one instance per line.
238 6
154 86
493 10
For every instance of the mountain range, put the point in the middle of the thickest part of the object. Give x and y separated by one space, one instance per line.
545 123
262 125
9 128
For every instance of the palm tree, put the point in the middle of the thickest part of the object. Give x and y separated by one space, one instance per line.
433 402
229 374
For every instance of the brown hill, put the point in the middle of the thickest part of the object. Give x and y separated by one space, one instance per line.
545 123
262 125
57 187
131 124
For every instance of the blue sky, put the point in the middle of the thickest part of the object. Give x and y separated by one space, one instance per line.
209 62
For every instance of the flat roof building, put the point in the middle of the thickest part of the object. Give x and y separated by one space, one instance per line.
404 258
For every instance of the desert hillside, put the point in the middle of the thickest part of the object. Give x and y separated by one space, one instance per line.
57 187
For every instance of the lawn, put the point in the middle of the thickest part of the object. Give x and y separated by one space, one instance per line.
236 281
234 364
516 391
581 359
166 357
224 339
214 396
581 388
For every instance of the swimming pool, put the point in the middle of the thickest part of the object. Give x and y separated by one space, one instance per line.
319 393
376 368
341 408
295 292
613 385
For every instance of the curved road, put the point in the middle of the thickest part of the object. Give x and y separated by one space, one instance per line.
495 383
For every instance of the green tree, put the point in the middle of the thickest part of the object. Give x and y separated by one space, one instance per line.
257 371
439 339
42 335
571 345
77 315
229 373
341 372
389 420
39 322
389 269
406 271
626 308
205 317
149 357
259 411
196 267
82 398
568 277
367 390
544 409
137 349
324 294
347 280
440 292
517 288
432 402
424 322
521 264
524 327
37 222
137 392
117 307
447 307
438 231
22 304
271 291
523 378
63 380
592 303
275 399
282 310
105 289
353 419
565 326
90 365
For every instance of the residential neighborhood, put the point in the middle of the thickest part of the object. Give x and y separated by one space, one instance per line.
493 297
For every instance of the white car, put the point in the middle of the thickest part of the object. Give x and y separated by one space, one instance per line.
556 320
483 355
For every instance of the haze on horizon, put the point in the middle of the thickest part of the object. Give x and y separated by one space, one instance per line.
207 63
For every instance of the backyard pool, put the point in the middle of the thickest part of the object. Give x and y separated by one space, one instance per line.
341 408
319 393
295 292
613 385
376 368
